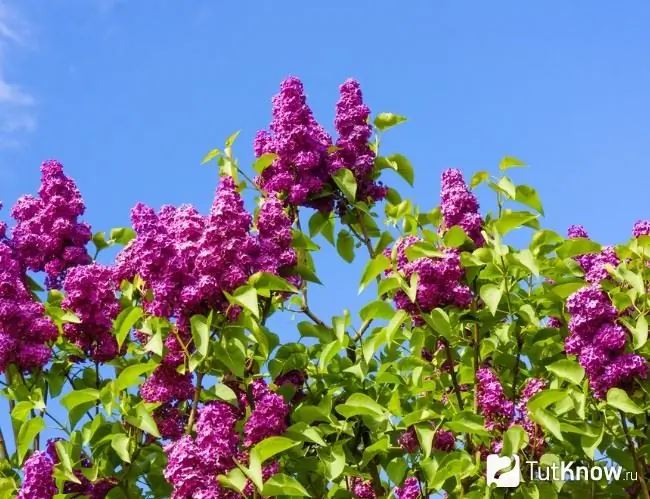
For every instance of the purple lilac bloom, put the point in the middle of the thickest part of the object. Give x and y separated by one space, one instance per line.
185 468
295 378
594 264
439 280
300 170
166 384
492 402
362 488
24 330
170 421
409 440
409 490
48 236
535 433
38 481
444 441
269 415
276 253
459 206
216 437
641 228
353 151
90 294
579 232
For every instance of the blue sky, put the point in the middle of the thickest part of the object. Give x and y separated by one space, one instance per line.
131 94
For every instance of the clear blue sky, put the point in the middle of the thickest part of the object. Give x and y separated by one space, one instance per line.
131 94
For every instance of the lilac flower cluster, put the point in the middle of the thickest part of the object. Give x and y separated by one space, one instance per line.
295 378
193 464
24 330
459 206
439 280
352 146
171 421
300 171
38 481
599 341
90 294
641 228
269 416
362 488
410 489
167 385
501 413
48 236
443 440
594 264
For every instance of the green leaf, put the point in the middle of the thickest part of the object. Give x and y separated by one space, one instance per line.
566 289
245 296
26 435
210 156
329 352
232 354
21 410
270 447
510 162
122 235
225 393
359 404
283 485
514 439
144 420
491 294
547 421
529 197
120 444
125 322
619 399
467 422
231 140
567 369
578 246
590 443
201 334
99 240
345 180
403 167
263 162
333 460
512 220
546 398
130 376
425 433
640 332
478 178
528 260
373 268
384 121
455 237
264 282
438 320
78 397
345 246
377 309
506 186
396 470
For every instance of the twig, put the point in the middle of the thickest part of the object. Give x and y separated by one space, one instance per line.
195 402
639 468
452 373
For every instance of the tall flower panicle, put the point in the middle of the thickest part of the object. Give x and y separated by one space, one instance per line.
90 294
166 384
599 342
24 329
410 489
459 206
492 402
48 236
362 488
216 436
440 280
38 481
276 253
352 148
300 169
269 415
641 228
594 264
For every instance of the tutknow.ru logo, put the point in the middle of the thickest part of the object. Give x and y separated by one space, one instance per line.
505 471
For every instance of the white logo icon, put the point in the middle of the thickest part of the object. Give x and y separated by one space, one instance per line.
503 471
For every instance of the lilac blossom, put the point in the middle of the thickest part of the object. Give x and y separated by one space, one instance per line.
459 206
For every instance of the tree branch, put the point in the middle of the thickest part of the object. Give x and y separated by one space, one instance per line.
639 467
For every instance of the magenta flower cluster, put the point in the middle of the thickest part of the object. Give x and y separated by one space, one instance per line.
599 341
440 280
459 206
501 413
90 294
301 172
194 463
24 329
48 236
362 488
443 440
410 489
594 264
